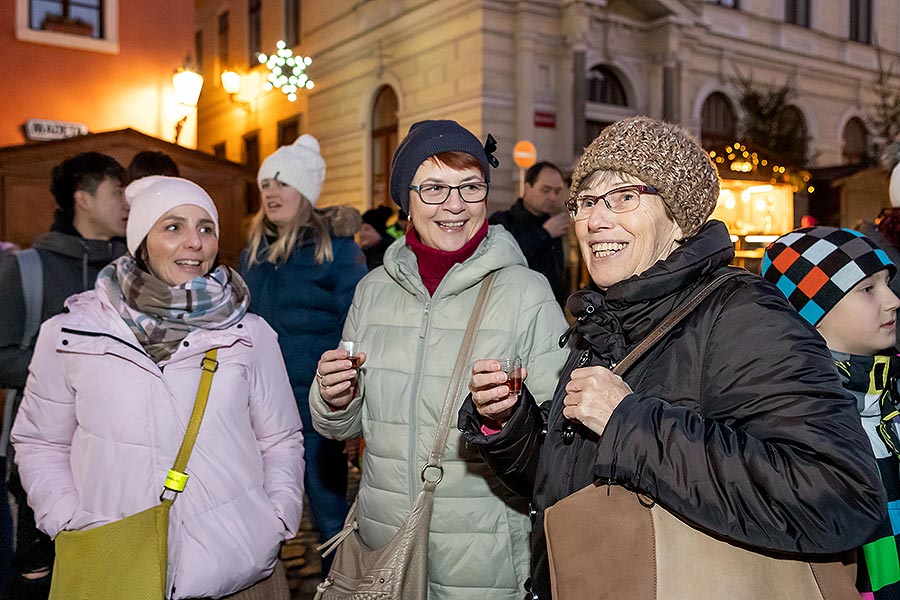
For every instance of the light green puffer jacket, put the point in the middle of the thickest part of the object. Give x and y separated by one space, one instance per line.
478 544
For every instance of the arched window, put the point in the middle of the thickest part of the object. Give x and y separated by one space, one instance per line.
794 135
605 87
384 142
856 142
717 121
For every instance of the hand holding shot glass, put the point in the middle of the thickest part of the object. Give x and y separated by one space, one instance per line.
337 373
496 385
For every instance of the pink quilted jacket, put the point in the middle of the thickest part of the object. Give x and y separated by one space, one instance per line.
101 423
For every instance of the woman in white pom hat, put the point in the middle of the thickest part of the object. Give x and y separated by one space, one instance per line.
113 386
302 276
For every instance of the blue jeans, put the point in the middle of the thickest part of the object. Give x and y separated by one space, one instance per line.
325 481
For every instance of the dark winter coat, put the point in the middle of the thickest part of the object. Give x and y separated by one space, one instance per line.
738 422
306 304
70 265
543 252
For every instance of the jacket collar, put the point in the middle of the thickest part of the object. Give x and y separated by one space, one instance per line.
615 320
92 326
498 250
518 209
97 252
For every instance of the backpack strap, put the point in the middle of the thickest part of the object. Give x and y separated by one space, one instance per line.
31 274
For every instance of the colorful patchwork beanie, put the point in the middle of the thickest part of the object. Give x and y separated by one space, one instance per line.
815 267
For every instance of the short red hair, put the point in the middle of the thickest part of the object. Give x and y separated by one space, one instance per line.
458 161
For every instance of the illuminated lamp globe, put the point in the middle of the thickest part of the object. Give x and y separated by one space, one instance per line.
187 86
231 82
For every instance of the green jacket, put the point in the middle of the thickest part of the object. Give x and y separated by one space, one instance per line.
479 532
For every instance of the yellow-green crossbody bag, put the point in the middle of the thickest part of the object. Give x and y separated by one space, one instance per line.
126 559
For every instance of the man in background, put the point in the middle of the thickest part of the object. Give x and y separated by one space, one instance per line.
538 220
86 235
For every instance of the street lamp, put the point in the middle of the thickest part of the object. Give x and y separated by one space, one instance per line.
187 84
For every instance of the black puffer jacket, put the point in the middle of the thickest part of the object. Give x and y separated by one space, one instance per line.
738 422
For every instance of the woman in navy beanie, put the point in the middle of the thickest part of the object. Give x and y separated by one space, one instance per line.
409 319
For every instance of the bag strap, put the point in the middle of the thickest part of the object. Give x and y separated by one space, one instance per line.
31 274
176 479
673 319
436 459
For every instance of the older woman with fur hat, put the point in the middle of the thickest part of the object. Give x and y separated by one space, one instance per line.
734 422
409 318
302 273
114 382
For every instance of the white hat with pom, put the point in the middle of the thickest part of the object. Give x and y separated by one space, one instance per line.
299 165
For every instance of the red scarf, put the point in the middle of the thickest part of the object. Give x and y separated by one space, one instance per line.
434 263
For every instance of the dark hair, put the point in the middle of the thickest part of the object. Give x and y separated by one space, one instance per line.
534 171
150 162
85 172
458 161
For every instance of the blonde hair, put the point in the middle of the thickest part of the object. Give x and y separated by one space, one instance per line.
284 244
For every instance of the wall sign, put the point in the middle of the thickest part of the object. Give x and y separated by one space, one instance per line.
545 119
42 130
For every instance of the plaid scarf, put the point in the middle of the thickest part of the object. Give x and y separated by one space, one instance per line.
161 316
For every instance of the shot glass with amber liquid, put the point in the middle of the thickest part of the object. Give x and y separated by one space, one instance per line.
353 350
513 369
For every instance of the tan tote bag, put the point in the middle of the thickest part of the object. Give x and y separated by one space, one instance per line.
399 570
605 542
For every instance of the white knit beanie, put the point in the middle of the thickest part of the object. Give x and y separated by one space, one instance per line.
149 198
895 186
299 165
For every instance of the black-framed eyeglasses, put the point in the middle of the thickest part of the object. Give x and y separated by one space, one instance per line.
619 200
471 192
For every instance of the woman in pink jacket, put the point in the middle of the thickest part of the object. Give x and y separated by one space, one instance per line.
112 386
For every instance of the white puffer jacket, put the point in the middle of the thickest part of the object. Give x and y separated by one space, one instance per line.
478 544
100 426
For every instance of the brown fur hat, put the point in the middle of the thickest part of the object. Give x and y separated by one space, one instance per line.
662 155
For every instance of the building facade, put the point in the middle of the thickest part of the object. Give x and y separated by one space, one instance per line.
550 71
93 65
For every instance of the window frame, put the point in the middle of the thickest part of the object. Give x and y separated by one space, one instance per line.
284 125
855 23
254 31
223 37
198 50
109 44
793 9
292 22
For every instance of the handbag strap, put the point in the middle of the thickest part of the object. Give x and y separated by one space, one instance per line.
673 319
436 459
176 479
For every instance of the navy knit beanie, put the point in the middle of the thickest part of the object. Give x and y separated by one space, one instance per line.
815 267
427 138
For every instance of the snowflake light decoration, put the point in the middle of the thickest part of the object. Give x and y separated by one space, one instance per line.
286 71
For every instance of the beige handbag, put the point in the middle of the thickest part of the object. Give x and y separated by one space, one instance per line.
399 570
605 542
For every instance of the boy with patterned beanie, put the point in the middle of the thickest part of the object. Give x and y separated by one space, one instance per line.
837 279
